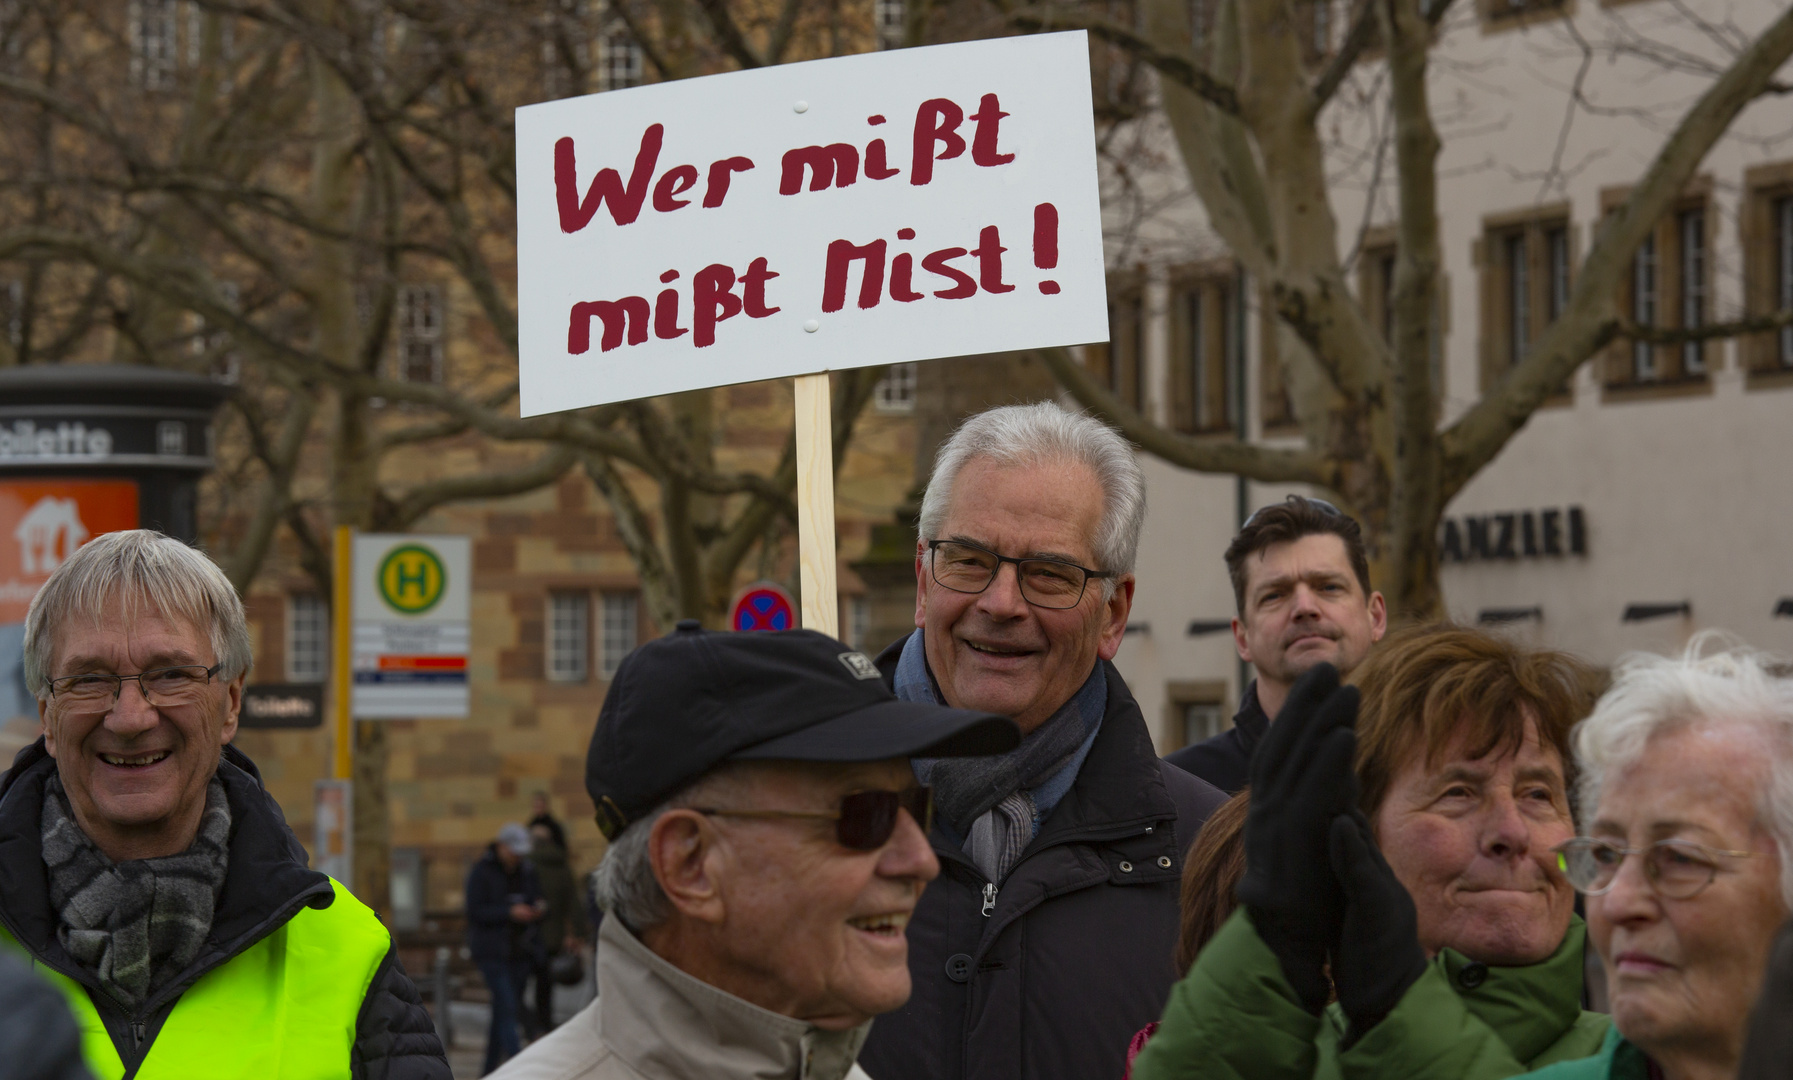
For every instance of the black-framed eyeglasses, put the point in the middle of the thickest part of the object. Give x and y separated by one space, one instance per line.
1319 504
1676 869
167 686
865 820
1047 583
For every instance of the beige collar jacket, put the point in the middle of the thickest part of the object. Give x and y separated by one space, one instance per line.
652 1021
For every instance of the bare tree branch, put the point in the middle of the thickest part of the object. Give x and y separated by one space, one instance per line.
1203 455
1178 67
420 500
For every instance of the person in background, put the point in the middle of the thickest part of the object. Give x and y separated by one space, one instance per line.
149 875
1687 796
563 926
1459 953
767 848
541 815
1301 585
1047 941
504 904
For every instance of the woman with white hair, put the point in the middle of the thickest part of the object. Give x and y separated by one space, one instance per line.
1687 804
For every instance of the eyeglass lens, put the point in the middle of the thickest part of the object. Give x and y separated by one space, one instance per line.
1678 870
868 818
1045 583
161 686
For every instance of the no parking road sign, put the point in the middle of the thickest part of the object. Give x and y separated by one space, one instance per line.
763 606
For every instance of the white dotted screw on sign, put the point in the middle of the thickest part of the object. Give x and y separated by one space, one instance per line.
801 106
811 326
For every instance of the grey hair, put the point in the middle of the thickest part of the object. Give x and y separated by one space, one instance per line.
1716 681
624 884
143 570
1024 435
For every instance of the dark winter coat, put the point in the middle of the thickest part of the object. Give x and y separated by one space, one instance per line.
1048 976
266 885
1225 760
566 910
491 890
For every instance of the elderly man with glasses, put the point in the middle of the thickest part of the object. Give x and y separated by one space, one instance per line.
146 872
1047 942
767 849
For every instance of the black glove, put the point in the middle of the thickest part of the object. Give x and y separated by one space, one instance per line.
1301 779
1378 955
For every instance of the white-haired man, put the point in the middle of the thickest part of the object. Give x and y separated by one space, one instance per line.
1048 940
145 871
767 846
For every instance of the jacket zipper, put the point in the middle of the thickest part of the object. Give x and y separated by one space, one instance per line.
138 1030
989 898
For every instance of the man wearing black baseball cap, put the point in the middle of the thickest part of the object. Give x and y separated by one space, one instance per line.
768 844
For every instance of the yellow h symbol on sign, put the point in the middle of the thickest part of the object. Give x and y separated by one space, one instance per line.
412 579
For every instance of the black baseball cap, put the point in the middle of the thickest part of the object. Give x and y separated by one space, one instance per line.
685 703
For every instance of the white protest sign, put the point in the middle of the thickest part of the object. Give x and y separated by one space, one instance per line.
412 599
895 206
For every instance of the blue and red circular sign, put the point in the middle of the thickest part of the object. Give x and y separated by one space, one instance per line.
763 606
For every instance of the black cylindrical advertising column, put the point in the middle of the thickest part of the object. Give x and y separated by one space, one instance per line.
87 449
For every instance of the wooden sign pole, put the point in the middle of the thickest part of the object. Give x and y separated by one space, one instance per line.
815 504
342 649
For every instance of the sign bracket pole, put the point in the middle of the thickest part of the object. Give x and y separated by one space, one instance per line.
342 645
815 504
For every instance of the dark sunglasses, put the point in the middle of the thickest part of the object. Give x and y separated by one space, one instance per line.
865 819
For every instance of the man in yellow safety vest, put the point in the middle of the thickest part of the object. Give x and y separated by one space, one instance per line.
145 871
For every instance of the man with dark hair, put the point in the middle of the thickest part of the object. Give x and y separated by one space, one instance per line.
1301 583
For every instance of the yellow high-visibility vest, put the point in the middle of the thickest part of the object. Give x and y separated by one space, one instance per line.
283 1009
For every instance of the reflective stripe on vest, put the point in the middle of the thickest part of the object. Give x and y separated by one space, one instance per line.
283 1009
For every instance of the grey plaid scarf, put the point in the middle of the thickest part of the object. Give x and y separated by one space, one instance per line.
135 925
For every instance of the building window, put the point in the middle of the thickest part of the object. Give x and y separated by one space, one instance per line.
895 392
1643 308
420 333
1526 265
1693 287
153 43
1669 287
856 621
307 638
1556 249
1519 294
1117 364
566 50
620 630
1783 275
1202 720
569 636
619 59
889 17
1765 232
1204 392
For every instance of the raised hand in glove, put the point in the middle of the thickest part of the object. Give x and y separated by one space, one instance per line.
1301 779
1378 955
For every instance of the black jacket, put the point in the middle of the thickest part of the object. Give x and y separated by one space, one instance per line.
1049 976
491 890
1225 760
267 884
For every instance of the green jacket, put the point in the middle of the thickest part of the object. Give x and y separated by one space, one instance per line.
1617 1060
1235 1016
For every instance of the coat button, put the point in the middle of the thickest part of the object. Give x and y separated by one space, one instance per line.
1473 975
1126 867
1164 861
958 967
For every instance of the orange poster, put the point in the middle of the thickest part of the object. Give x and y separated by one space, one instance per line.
42 522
